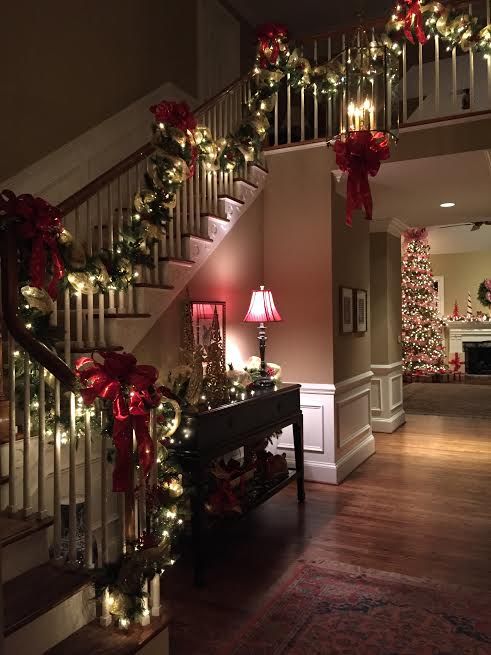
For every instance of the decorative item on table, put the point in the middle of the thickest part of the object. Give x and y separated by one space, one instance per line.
253 368
484 292
228 486
215 385
262 310
346 310
369 115
422 329
202 313
360 323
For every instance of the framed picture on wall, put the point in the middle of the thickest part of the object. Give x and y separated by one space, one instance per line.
346 310
360 311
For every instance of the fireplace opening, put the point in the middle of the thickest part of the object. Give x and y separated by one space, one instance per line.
477 357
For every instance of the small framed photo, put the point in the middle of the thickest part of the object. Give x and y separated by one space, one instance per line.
346 310
360 322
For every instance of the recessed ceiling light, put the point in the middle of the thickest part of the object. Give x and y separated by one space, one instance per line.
447 204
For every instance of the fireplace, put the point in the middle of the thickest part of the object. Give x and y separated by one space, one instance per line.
477 357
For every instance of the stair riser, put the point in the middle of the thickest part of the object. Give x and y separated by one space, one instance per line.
25 554
53 626
159 645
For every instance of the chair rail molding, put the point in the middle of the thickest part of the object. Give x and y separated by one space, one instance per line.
386 397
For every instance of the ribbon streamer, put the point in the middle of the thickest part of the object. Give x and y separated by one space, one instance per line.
40 224
414 18
130 388
360 155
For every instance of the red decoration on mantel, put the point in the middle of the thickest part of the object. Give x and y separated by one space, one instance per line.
455 312
130 388
414 19
360 154
40 224
456 362
269 36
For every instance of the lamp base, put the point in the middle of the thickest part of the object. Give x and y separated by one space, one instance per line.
264 382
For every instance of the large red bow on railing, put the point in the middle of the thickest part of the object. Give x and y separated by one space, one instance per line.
269 36
175 114
41 225
360 154
130 388
414 18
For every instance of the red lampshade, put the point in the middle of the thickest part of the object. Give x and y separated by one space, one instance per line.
262 308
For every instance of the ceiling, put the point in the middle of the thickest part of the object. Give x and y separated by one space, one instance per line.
308 16
412 190
459 238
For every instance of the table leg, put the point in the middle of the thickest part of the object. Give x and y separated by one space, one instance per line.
298 444
198 523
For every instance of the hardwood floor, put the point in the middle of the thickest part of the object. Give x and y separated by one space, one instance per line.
420 506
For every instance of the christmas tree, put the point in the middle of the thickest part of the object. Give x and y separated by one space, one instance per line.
422 345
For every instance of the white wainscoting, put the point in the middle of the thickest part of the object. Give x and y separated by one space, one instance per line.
68 169
333 415
387 397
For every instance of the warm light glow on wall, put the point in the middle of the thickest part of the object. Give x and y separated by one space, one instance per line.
233 353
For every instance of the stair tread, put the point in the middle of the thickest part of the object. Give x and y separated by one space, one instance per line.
242 179
215 217
97 640
84 349
117 315
177 260
197 236
229 197
148 285
14 528
260 166
36 591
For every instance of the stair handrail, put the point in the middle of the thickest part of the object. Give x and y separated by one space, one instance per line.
92 188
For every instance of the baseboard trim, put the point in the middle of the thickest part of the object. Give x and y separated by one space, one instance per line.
389 425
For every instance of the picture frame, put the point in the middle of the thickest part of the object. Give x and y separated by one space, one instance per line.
202 318
346 310
360 318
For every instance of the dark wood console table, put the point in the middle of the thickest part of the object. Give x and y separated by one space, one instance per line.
206 435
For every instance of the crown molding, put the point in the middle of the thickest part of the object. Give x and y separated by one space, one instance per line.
392 226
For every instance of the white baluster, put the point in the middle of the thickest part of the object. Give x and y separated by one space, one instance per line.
42 511
488 59
471 71
191 227
178 221
197 203
215 191
204 202
214 122
171 241
72 496
130 291
404 83
288 110
67 328
437 74
302 114
26 499
110 230
57 476
105 618
103 498
89 563
155 594
209 185
454 77
329 101
12 356
420 76
121 294
276 109
156 266
145 615
185 226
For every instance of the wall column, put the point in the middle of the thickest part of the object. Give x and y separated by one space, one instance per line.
385 321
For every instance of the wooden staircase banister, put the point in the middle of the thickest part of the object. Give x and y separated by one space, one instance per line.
78 198
38 350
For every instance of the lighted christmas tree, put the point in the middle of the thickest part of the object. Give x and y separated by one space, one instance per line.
422 346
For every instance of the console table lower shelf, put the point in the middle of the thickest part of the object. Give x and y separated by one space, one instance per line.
207 435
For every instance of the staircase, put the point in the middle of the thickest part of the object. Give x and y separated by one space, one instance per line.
59 518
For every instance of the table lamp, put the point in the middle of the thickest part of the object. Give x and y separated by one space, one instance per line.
262 310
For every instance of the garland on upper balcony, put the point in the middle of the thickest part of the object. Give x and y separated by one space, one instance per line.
419 21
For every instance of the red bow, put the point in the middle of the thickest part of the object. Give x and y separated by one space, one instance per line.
360 154
176 114
130 388
456 363
41 225
413 13
269 36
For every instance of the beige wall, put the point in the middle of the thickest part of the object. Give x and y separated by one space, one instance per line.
68 66
385 297
297 262
234 269
350 268
462 272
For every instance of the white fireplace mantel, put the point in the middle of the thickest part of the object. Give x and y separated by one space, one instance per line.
462 332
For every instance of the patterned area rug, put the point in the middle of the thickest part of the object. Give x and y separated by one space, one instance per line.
448 399
345 610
